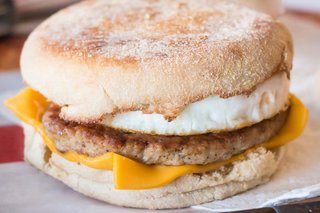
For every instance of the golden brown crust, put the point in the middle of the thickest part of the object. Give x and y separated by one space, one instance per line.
154 56
95 140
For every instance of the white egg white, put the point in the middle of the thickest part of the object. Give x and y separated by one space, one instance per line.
212 114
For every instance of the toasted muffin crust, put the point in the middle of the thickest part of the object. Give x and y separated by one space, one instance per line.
152 56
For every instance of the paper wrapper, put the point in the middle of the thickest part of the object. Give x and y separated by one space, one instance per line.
25 189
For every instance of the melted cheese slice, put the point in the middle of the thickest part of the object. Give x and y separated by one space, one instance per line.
30 105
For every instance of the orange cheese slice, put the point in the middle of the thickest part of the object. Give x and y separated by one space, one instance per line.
30 105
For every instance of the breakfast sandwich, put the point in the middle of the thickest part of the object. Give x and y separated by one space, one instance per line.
158 104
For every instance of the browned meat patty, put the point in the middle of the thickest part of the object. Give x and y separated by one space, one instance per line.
95 139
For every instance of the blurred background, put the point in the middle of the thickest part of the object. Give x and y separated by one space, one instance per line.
19 17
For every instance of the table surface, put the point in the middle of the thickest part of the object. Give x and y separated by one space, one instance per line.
11 46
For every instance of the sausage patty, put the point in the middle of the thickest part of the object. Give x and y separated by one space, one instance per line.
96 139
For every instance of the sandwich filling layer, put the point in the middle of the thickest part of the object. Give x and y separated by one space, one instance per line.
213 114
30 106
94 140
